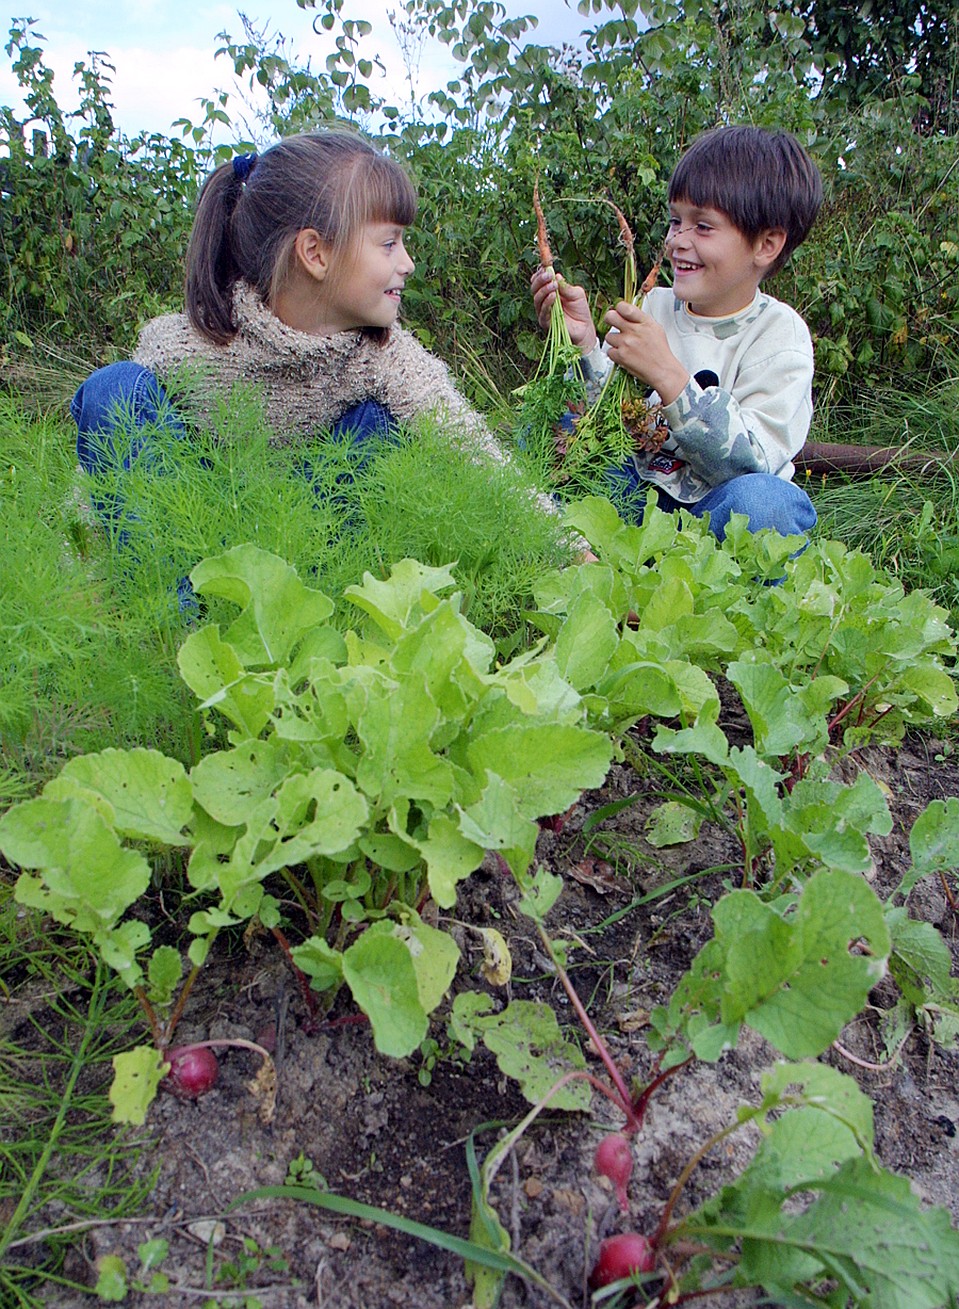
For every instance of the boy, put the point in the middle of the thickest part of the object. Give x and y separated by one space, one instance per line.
731 366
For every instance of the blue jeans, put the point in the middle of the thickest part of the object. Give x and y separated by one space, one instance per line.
121 406
766 500
115 408
117 405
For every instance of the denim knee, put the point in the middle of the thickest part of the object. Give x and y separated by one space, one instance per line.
766 500
118 398
366 427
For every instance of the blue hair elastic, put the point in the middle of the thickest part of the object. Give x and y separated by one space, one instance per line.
242 164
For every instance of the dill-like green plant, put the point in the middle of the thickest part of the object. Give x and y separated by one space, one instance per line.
426 498
93 606
332 509
60 647
59 1152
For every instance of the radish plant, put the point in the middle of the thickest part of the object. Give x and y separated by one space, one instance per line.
875 659
614 1160
622 1256
193 1071
365 772
795 972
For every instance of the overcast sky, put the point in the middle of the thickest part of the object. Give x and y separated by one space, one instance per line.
163 50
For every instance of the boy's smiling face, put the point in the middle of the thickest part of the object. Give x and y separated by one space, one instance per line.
716 269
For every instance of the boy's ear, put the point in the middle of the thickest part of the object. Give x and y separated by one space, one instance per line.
311 253
769 246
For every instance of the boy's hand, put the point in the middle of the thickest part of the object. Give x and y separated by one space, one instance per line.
545 286
639 345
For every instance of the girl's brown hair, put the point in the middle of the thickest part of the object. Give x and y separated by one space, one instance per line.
248 217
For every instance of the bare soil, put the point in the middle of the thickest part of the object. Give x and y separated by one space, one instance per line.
394 1134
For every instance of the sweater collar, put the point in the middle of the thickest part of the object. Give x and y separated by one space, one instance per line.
258 322
728 324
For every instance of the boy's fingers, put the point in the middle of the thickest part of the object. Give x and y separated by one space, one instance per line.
621 321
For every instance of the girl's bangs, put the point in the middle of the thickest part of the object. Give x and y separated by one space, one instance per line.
391 196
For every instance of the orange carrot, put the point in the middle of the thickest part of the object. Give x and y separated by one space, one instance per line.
625 231
542 237
650 279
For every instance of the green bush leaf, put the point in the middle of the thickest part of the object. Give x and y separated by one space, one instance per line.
529 1046
548 766
212 669
587 641
435 955
136 1076
934 841
794 977
921 961
88 879
408 592
867 1229
495 823
672 823
278 609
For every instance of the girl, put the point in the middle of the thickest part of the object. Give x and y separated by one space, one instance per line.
295 273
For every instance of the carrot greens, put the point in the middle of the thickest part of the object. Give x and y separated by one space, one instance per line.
556 387
621 419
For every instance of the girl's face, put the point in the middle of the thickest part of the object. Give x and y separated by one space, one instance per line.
369 291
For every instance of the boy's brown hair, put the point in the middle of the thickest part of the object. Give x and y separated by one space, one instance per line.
759 179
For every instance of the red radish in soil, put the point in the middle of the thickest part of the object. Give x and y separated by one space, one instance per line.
621 1256
614 1159
193 1071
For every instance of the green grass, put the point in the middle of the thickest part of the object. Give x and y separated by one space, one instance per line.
906 518
62 1162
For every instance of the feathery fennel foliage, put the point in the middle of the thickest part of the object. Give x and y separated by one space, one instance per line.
91 612
76 670
426 499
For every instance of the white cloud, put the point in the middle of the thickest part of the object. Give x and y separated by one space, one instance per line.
149 89
152 88
163 51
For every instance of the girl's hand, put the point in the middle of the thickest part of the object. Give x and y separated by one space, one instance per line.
639 345
545 286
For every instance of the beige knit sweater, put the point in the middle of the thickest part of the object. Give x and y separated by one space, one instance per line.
308 382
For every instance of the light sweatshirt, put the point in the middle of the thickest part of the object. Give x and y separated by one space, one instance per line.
748 404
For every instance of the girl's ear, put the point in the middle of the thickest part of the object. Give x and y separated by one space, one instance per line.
311 253
769 246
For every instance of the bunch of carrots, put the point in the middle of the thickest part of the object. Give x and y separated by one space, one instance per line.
556 387
620 420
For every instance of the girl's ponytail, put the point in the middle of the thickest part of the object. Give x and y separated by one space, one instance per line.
212 269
